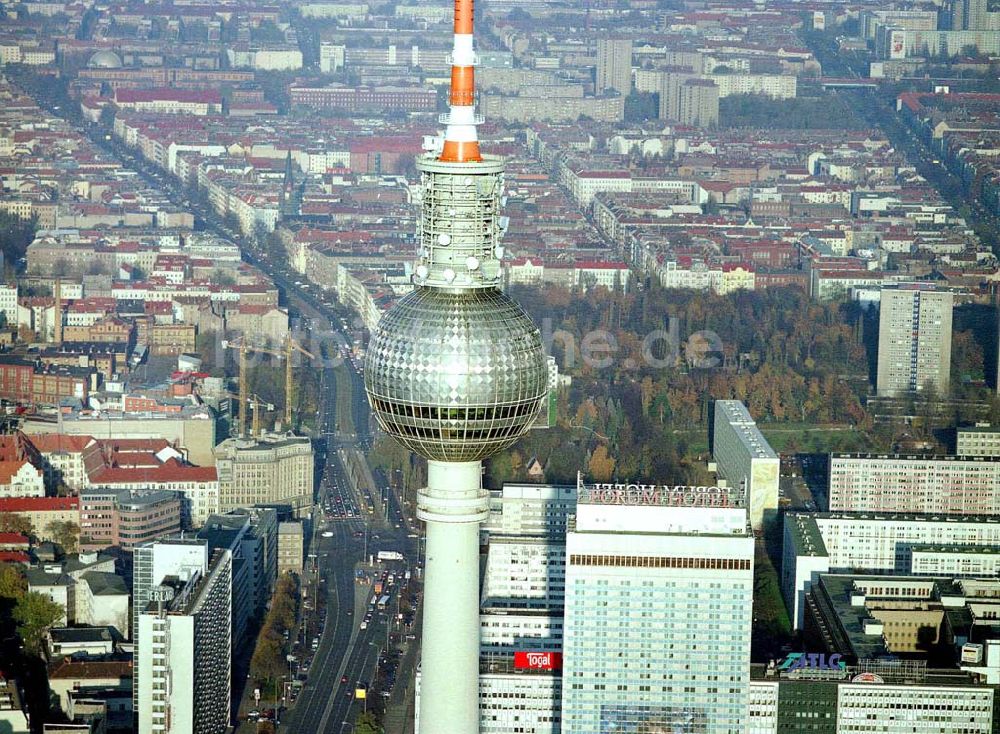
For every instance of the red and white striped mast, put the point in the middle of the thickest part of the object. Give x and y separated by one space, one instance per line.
461 144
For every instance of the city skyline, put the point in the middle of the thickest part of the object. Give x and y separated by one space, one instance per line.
553 368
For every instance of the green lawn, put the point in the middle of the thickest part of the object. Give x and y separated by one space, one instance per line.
771 627
808 437
812 438
345 415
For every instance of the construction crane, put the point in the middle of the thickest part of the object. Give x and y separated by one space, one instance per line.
291 346
257 404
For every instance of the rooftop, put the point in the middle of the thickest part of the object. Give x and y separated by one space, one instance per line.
805 534
67 635
949 458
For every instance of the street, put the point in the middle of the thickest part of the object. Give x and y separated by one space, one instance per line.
346 655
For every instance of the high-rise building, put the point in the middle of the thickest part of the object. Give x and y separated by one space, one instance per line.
976 15
698 103
251 536
291 547
914 340
525 510
127 517
614 65
745 458
690 99
179 558
456 372
817 543
183 656
659 587
949 485
670 92
956 15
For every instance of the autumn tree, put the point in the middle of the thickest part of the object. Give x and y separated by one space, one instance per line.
66 533
967 360
601 465
268 661
35 613
13 522
13 585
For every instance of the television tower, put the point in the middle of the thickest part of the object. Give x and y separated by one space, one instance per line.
456 373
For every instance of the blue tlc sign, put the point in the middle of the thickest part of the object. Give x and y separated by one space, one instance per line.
811 661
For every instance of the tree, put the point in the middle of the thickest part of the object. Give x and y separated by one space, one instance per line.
640 106
601 465
61 267
267 662
107 117
66 533
13 522
34 614
366 723
967 358
15 235
13 585
223 277
828 111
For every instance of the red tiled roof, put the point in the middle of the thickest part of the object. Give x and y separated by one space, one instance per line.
603 174
14 557
170 471
39 504
16 447
599 265
48 443
13 539
67 668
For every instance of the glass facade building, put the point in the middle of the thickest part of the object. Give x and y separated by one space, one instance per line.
658 618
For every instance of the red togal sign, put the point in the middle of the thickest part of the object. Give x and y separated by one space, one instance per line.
538 660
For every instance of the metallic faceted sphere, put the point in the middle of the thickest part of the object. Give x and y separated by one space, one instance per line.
456 375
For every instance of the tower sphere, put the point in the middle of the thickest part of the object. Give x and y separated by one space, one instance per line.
456 375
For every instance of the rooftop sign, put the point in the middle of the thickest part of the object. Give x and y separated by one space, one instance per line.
658 495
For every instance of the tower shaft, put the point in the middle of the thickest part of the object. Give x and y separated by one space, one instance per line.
453 505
